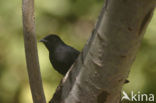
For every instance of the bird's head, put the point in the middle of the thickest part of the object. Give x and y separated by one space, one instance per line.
51 41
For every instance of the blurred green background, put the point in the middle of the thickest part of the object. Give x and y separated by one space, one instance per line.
73 20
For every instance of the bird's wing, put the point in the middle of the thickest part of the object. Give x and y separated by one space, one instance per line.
66 54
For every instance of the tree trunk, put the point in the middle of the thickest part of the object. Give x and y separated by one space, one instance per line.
103 66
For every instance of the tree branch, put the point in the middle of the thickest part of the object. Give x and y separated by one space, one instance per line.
31 52
103 66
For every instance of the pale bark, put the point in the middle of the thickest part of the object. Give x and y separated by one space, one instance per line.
31 52
103 66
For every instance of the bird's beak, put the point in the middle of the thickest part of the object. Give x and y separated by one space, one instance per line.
43 40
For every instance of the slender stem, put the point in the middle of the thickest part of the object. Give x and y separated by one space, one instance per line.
33 67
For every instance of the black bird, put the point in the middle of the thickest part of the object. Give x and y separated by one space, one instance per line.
61 55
